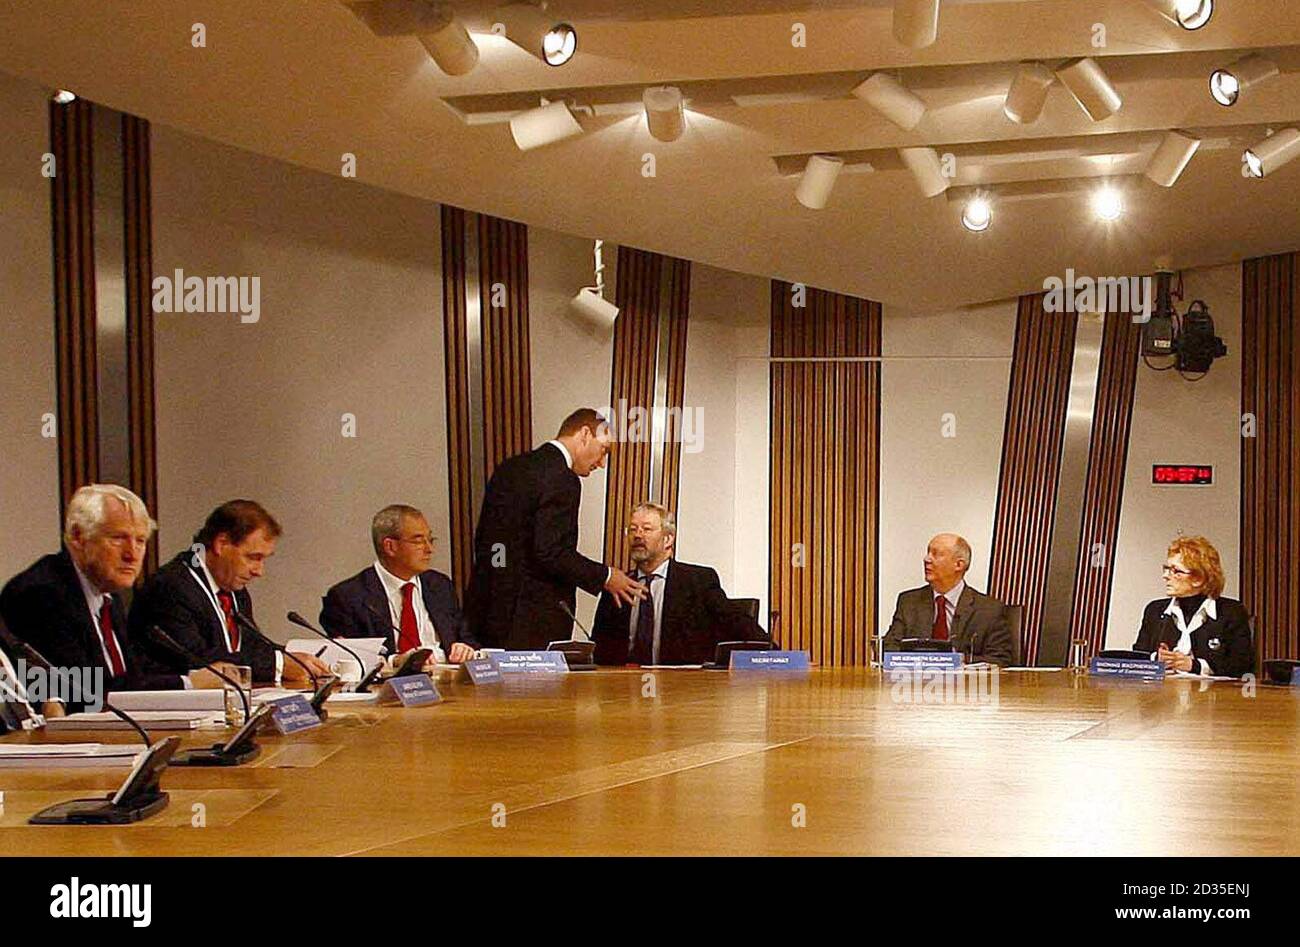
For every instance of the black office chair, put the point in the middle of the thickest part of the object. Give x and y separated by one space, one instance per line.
1015 620
746 606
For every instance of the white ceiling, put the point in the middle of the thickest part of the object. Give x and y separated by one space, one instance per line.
307 81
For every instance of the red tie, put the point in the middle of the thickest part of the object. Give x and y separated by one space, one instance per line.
115 662
410 637
227 600
940 618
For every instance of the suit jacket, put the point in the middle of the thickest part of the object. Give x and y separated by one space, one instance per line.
344 612
526 559
1223 642
696 615
979 624
173 600
45 606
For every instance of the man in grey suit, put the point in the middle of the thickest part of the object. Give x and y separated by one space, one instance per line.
947 608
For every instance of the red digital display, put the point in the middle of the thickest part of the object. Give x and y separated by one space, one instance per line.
1180 474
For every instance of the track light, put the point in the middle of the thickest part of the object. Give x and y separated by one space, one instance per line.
926 168
1028 93
1227 84
1273 152
545 125
916 22
819 176
977 215
1189 14
590 303
1108 204
63 97
451 46
665 114
529 28
888 97
1169 160
1091 88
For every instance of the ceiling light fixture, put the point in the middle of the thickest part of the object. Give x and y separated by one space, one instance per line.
818 180
926 168
1108 204
916 22
63 97
590 302
1273 152
545 125
1228 83
1171 158
1091 88
451 46
665 113
888 97
529 28
977 215
1028 93
1189 14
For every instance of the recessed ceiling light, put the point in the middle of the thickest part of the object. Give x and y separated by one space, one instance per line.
1227 84
63 97
818 179
1273 152
1108 204
977 215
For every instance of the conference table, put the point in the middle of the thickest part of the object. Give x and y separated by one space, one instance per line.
691 762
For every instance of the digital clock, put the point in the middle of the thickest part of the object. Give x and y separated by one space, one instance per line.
1182 474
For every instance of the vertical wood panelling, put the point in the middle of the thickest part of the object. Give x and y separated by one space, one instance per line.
1037 400
825 474
1104 487
138 257
507 387
1270 460
72 219
459 490
678 320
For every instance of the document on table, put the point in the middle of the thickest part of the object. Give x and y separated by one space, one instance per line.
149 719
197 699
1201 677
67 754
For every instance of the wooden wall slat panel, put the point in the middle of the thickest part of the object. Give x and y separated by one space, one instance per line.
1037 402
825 457
1270 460
507 387
72 225
455 347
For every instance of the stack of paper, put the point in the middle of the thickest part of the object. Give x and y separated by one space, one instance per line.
67 754
149 719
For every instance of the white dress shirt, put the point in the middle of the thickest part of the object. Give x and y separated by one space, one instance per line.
393 591
950 600
1185 629
657 598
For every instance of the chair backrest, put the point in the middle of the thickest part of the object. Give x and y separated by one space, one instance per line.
747 607
1015 620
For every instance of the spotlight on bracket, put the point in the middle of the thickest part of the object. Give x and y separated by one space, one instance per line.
529 28
977 214
1227 84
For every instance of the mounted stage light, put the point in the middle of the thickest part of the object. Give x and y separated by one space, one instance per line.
1171 158
1273 152
544 125
1226 85
1189 14
926 168
1028 93
977 215
1091 88
1108 204
818 180
888 97
916 22
665 113
590 302
63 97
451 46
529 28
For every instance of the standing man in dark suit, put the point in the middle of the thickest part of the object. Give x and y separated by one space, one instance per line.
68 605
380 601
527 567
947 608
194 598
684 613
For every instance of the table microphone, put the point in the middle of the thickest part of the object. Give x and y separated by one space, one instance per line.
363 685
568 611
246 623
176 648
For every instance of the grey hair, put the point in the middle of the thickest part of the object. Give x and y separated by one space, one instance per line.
963 550
87 510
667 521
387 524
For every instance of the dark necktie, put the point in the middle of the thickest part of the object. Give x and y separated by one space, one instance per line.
115 662
227 600
644 645
410 628
940 618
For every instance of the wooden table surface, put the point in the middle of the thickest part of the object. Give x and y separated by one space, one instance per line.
718 763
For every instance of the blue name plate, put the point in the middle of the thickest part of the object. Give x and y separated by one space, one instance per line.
293 714
1295 677
411 690
482 671
1126 667
529 662
769 661
923 661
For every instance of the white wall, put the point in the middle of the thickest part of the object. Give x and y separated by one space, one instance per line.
959 364
1179 421
571 363
29 473
350 323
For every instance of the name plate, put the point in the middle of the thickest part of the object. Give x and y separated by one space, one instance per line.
923 661
482 671
411 690
769 661
1127 667
293 714
529 662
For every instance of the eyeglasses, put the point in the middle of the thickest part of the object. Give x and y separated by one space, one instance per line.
639 530
417 540
1167 569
